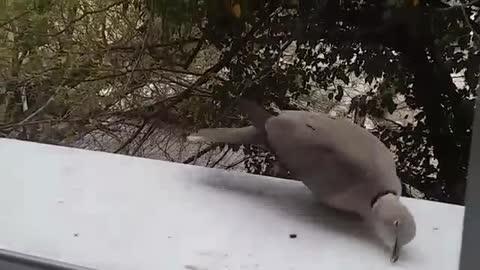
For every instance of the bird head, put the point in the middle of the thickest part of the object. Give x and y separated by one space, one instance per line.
394 223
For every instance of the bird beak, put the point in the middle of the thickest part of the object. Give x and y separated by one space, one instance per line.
395 252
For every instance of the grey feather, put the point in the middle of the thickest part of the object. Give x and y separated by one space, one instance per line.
346 158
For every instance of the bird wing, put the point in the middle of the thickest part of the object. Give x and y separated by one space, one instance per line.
332 157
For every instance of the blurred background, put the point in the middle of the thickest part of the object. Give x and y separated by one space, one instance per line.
134 77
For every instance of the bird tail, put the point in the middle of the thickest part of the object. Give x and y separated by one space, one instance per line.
254 134
244 135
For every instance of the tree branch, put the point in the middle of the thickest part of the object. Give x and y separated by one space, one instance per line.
236 163
14 19
200 153
132 138
469 24
71 23
195 51
39 110
147 135
212 71
220 158
155 46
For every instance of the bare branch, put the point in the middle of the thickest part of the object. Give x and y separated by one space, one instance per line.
132 138
52 97
14 19
200 153
459 6
71 23
236 163
469 24
39 122
220 158
212 71
147 135
195 51
155 46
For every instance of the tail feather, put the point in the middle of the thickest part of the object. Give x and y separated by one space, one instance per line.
244 135
254 134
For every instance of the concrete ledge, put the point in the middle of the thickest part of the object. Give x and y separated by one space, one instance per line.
113 212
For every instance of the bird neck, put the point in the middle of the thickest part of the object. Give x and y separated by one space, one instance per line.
381 194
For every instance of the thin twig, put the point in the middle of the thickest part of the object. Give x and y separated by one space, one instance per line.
220 158
210 156
236 163
120 74
458 6
469 24
185 85
14 19
50 121
71 23
477 89
52 97
108 131
167 155
137 61
393 122
186 72
223 62
200 154
195 51
132 138
147 135
154 46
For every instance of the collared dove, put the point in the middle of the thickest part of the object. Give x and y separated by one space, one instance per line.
345 166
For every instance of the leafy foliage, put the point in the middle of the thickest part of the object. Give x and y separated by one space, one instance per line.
141 65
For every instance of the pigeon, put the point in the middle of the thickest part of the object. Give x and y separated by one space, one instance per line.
344 165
